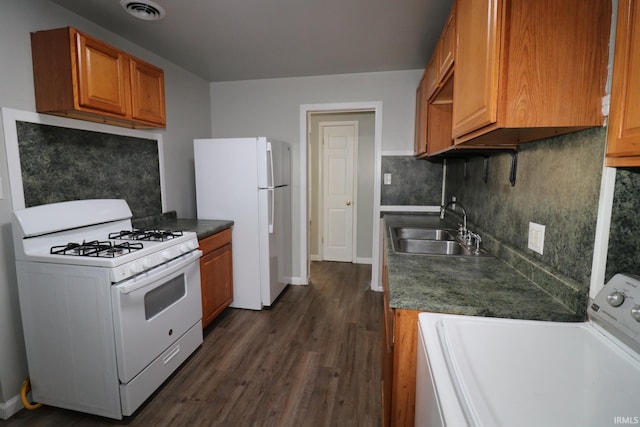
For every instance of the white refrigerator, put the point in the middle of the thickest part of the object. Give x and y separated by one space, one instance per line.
247 180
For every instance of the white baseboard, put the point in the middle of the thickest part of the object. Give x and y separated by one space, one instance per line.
10 407
298 281
358 260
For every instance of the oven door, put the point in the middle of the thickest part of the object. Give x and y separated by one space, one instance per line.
153 310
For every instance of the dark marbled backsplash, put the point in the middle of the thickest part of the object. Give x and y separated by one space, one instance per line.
623 254
414 182
60 164
557 185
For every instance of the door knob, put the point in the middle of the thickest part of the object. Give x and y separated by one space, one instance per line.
348 202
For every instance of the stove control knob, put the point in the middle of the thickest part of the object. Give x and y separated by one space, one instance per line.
615 299
166 255
146 263
136 267
635 312
183 248
192 245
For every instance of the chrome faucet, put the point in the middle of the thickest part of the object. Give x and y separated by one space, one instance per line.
462 232
474 237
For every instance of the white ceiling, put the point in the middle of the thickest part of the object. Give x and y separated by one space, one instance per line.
223 40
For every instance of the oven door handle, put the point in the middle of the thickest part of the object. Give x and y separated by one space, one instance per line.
162 271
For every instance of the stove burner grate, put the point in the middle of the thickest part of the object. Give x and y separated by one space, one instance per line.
95 248
143 234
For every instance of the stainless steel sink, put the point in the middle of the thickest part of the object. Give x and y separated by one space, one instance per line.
429 241
423 233
435 247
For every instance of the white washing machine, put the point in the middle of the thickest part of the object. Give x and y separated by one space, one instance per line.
475 371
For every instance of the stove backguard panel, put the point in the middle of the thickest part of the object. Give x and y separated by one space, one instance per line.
60 164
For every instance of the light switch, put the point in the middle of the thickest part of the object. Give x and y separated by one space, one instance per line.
387 179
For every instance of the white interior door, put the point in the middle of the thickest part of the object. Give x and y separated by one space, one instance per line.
338 153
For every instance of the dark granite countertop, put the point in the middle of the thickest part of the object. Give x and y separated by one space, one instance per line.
169 220
478 286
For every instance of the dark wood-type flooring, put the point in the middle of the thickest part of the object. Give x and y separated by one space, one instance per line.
312 359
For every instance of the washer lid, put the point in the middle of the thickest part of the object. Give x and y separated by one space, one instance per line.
532 373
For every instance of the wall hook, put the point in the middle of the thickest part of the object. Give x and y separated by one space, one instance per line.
514 167
485 169
465 173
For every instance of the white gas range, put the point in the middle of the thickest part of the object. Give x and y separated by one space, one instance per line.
108 311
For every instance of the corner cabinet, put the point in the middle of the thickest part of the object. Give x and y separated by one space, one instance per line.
78 76
623 139
216 275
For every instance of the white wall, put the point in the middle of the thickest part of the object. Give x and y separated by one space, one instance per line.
272 106
188 116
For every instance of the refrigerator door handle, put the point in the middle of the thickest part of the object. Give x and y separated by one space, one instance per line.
272 202
270 179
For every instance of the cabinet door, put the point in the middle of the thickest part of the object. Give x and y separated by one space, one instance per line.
147 93
477 66
420 141
624 126
447 46
431 74
387 348
103 77
216 275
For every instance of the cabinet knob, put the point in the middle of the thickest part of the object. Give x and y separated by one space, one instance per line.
348 203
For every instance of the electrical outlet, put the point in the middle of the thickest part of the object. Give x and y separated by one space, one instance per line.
536 237
387 179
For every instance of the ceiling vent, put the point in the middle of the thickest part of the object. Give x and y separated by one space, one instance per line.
143 9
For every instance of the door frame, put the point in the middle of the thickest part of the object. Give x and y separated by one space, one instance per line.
305 110
354 190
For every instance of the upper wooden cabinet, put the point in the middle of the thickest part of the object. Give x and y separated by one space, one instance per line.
526 70
623 140
429 120
439 109
78 76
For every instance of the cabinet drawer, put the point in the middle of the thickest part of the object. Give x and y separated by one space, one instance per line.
215 241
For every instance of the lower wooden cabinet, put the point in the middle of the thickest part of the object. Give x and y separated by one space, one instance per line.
399 352
387 350
216 274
